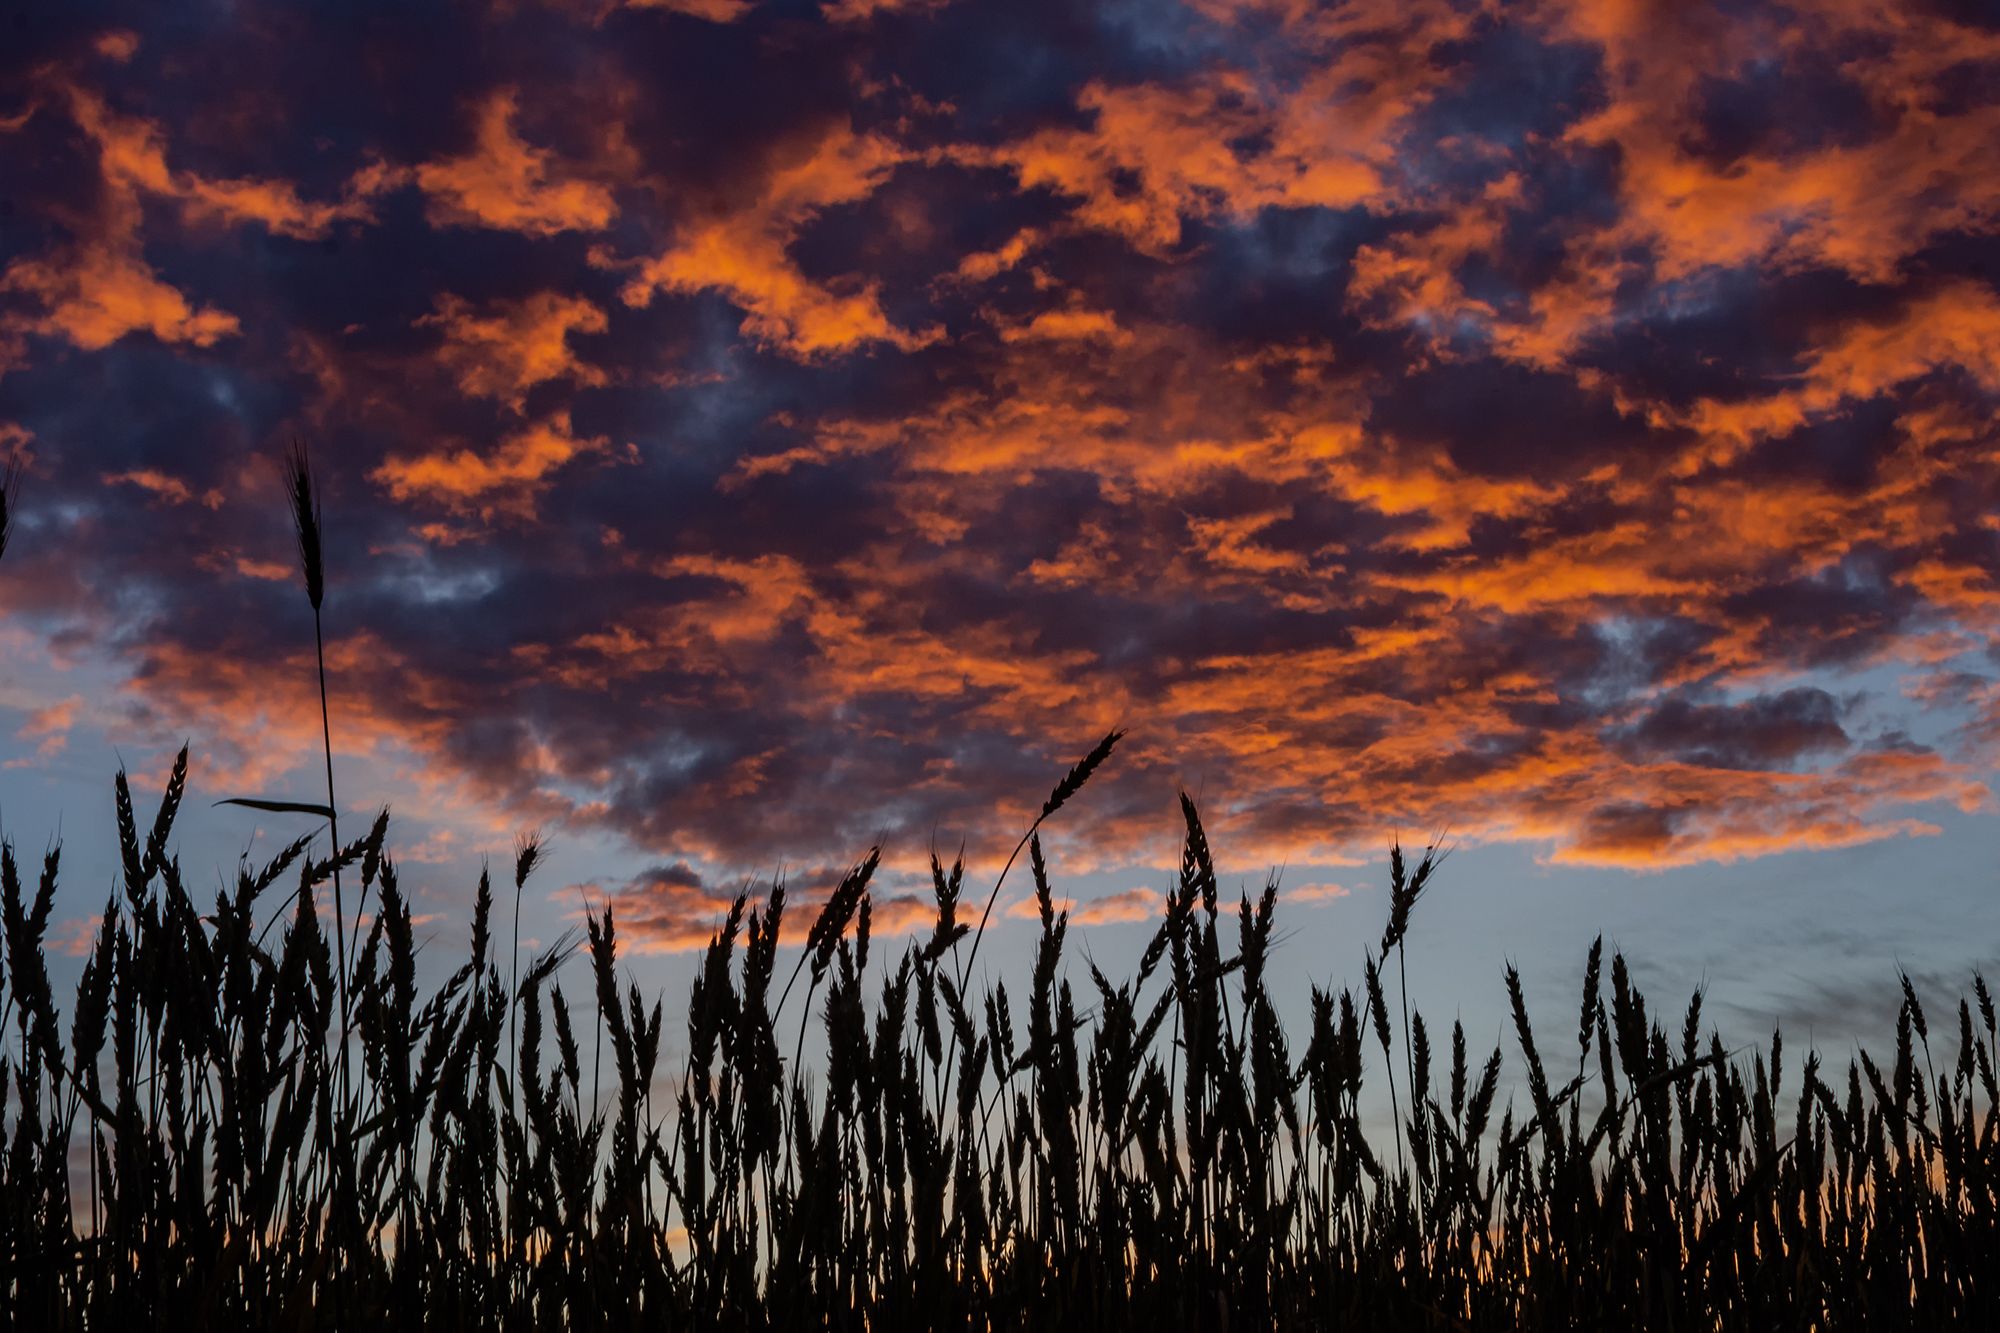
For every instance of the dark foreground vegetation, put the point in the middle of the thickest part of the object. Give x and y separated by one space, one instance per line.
252 1117
220 1133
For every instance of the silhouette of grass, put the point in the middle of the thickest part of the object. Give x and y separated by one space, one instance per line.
10 498
1155 1154
1150 1151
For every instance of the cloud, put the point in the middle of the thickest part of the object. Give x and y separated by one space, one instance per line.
514 346
1316 893
97 292
98 287
861 11
666 909
1228 142
1687 815
170 490
1572 426
672 908
508 184
715 11
1110 909
1758 733
1069 325
132 157
743 252
47 728
503 480
75 936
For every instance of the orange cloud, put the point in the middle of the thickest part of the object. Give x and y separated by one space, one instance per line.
1111 909
75 936
1377 455
1410 695
1412 274
860 11
1072 324
100 291
515 345
169 489
99 287
1863 207
1953 326
508 184
982 265
119 45
715 11
667 910
743 253
1231 543
253 722
1956 325
1154 155
1315 893
1617 562
270 571
132 155
674 908
49 727
1226 143
503 481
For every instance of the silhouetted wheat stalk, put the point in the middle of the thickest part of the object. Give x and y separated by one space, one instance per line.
312 572
1070 784
10 497
1157 1156
1159 1153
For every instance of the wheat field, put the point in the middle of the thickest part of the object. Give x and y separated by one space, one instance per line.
255 1117
209 1137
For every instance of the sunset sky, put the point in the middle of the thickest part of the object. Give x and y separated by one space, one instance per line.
752 430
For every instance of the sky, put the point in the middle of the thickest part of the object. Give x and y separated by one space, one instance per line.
751 431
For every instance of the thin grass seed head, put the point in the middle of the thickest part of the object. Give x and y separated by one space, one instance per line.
296 467
1399 912
1405 889
1377 1008
1916 1009
10 498
1044 901
1457 1069
1073 780
529 850
1593 997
